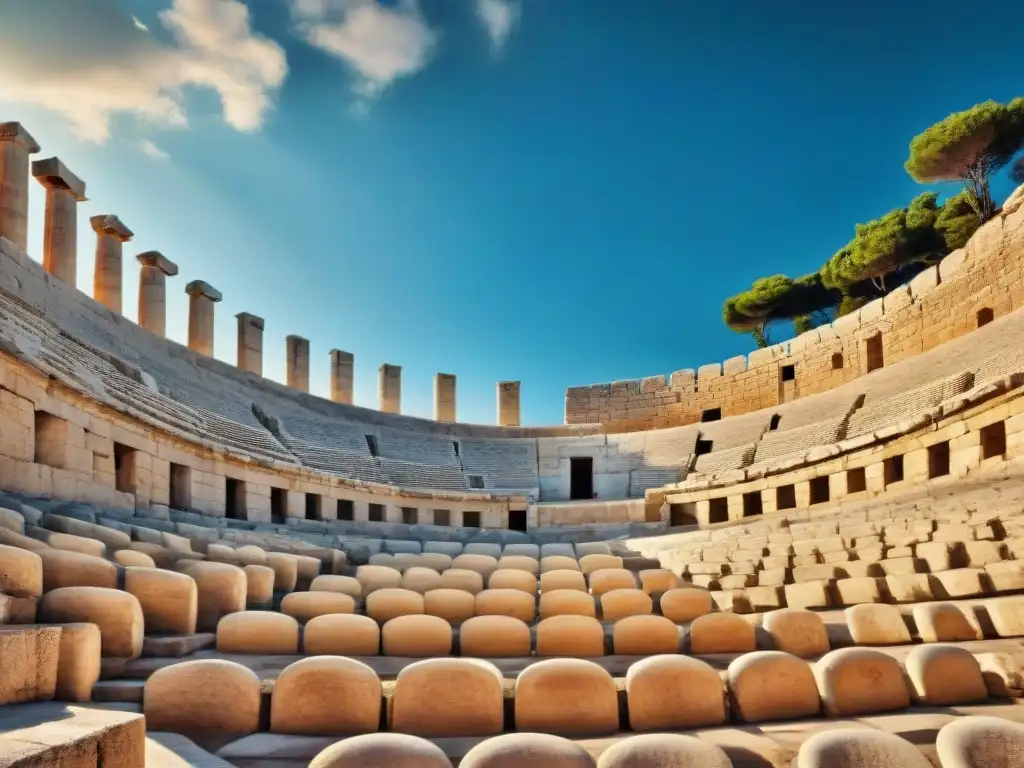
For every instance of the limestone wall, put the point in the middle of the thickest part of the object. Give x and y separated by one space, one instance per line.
940 304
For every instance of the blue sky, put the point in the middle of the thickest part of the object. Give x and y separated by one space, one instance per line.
556 191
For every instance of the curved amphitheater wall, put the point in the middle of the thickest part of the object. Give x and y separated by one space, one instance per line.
940 304
63 441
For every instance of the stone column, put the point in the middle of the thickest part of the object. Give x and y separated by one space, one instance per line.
342 376
15 147
64 191
444 397
389 382
508 403
202 297
297 362
153 291
106 282
250 343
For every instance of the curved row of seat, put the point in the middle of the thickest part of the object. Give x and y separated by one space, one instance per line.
421 635
969 742
438 697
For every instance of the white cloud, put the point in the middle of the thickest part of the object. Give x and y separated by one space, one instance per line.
139 25
499 18
152 150
101 62
380 43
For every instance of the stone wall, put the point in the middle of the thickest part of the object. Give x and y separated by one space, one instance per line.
940 304
984 439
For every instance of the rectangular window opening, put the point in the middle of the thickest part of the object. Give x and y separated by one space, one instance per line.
376 513
752 504
856 480
993 440
718 510
278 505
470 519
181 487
442 517
410 515
346 509
938 459
704 447
371 444
892 470
785 497
124 468
475 482
789 373
517 520
683 514
774 423
711 414
819 490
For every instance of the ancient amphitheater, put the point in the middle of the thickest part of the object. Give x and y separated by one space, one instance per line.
812 556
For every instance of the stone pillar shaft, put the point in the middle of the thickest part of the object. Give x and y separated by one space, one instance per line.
64 191
444 397
342 376
389 383
15 147
111 234
297 362
202 297
250 343
153 291
508 403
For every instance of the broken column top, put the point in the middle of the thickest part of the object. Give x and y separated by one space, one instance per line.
251 318
109 224
16 132
292 336
203 288
51 172
158 260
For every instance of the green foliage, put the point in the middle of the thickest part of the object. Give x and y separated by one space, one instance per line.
969 146
957 221
775 298
885 245
803 324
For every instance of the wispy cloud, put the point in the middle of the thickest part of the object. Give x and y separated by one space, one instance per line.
152 150
379 43
499 18
101 62
139 25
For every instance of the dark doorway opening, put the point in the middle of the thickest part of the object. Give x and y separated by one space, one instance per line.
313 507
517 520
376 513
234 499
718 510
346 509
278 505
581 478
470 519
875 356
938 459
711 414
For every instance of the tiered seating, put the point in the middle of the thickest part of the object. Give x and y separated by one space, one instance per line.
507 463
433 476
413 448
552 613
